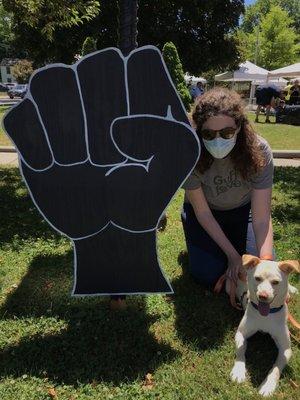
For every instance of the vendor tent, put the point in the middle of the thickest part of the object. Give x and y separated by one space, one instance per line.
247 71
291 71
191 79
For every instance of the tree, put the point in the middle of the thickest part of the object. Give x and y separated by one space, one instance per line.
248 45
261 8
199 29
174 65
6 35
51 31
89 46
22 71
292 7
278 46
52 14
271 44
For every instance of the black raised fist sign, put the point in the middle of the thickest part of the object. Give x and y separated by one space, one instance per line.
104 145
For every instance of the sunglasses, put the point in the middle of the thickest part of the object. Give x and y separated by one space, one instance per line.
225 133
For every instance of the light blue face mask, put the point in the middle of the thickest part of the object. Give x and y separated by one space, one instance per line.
219 147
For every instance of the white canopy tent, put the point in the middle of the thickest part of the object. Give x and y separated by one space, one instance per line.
249 72
191 79
291 71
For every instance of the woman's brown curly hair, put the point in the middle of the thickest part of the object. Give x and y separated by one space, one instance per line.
247 155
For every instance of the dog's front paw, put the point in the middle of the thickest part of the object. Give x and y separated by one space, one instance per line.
238 372
267 387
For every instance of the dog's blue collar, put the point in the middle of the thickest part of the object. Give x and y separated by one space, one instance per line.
272 310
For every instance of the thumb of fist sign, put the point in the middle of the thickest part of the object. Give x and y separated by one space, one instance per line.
103 146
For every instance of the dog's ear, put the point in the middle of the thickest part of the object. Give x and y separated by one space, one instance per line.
250 261
289 266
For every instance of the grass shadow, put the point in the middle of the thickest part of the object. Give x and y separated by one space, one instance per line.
287 175
285 213
260 356
96 344
202 317
20 220
287 182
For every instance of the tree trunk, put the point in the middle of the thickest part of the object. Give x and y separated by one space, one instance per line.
128 25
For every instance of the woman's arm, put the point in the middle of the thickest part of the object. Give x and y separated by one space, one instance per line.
208 222
261 221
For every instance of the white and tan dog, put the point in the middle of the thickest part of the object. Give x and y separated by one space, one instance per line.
264 297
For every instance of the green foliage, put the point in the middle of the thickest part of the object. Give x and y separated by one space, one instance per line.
277 39
172 60
210 77
292 7
53 14
253 14
272 42
22 71
89 46
261 8
51 31
247 45
6 35
199 29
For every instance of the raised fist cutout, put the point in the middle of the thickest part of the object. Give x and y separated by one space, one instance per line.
104 145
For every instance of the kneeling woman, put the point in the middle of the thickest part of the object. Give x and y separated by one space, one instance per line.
231 184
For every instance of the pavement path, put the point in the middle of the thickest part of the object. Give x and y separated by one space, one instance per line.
11 159
287 162
6 101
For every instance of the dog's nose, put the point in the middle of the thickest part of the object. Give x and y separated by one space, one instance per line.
263 296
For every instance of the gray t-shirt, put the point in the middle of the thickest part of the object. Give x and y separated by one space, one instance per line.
223 186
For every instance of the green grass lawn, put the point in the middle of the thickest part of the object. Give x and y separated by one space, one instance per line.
4 140
280 137
83 351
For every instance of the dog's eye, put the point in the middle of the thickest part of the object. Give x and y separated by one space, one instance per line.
258 279
275 282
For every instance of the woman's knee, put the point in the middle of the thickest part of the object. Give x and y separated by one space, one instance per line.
207 279
205 268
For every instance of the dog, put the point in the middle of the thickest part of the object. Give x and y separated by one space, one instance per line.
263 296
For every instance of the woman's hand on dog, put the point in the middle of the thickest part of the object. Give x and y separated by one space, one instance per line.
234 266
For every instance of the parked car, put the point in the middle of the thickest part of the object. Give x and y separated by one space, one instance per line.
17 91
3 88
9 85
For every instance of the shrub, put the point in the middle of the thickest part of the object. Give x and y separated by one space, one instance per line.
174 65
89 46
22 70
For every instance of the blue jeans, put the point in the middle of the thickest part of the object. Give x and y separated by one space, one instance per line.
207 262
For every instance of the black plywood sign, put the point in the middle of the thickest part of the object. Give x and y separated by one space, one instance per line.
104 145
